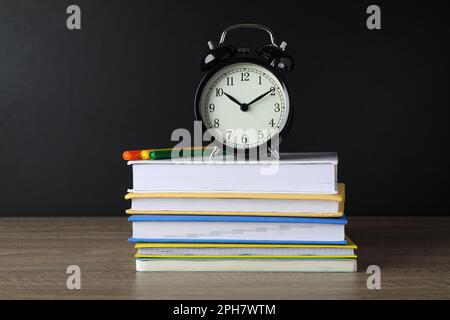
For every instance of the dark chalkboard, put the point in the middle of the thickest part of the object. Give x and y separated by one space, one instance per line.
72 101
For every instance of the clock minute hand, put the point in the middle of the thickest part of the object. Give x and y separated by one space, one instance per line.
233 99
259 98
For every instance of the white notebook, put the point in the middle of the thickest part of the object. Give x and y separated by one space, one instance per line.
293 173
247 265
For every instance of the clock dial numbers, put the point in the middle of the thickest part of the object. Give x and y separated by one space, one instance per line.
244 105
219 92
245 76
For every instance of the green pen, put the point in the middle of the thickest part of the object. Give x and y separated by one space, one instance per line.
167 154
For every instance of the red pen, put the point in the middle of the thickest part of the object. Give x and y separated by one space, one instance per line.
132 155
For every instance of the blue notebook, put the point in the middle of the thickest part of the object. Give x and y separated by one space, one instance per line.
237 229
200 218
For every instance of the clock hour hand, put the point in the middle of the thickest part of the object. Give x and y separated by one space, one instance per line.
259 98
233 99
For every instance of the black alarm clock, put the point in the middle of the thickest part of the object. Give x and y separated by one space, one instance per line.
243 100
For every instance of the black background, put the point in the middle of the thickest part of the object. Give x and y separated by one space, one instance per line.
72 101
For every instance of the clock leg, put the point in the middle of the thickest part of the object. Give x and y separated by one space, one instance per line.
214 152
274 153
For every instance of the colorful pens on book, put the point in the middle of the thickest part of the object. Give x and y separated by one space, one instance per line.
155 154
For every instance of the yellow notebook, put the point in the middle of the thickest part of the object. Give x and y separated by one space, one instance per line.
350 245
325 199
137 255
248 251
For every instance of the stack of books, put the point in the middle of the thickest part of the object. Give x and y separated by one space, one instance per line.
221 215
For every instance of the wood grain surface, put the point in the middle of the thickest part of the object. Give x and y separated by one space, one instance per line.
413 254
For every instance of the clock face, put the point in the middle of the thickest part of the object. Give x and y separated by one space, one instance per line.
243 105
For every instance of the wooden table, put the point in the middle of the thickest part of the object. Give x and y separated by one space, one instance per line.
413 254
